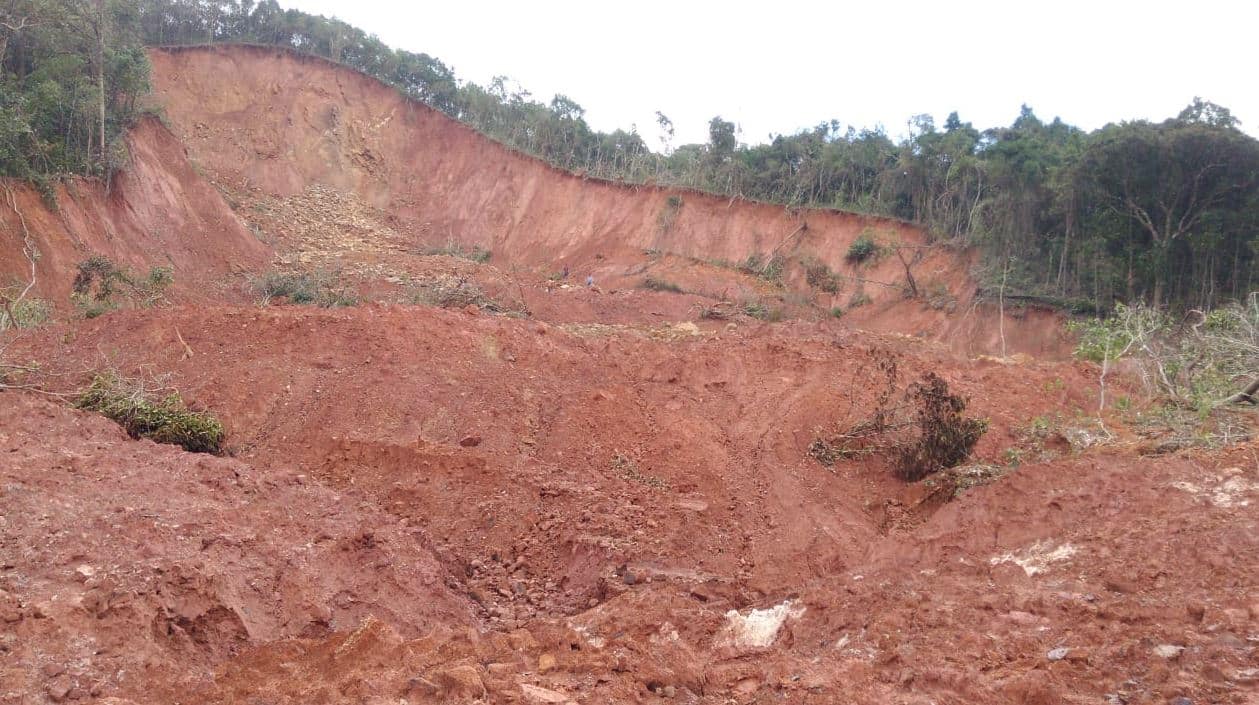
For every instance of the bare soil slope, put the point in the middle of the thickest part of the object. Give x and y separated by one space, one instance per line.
593 501
159 211
270 123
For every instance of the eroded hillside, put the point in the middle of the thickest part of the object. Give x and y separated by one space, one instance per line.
435 181
467 478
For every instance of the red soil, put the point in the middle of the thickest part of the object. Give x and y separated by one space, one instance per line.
431 506
159 211
436 181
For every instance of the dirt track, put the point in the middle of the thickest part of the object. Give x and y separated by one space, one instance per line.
610 500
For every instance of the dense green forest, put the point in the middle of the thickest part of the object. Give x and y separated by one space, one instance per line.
1165 212
71 75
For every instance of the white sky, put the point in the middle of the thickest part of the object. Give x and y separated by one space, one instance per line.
777 67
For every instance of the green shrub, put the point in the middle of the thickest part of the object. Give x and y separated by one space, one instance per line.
165 420
27 313
476 253
862 249
1201 360
101 286
758 309
319 289
837 312
656 284
770 270
820 276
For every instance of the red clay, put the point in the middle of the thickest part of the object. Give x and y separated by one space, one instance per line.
437 181
609 501
157 212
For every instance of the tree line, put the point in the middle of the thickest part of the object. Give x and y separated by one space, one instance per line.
1164 212
71 75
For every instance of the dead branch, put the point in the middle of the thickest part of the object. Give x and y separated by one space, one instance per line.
187 349
32 256
908 264
1249 395
800 229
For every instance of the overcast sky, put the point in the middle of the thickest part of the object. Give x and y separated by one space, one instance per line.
776 67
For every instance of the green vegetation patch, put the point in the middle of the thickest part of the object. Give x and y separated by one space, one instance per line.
770 269
476 253
101 286
165 420
862 249
27 313
324 289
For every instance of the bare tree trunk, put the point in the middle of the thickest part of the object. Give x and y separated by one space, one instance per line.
32 256
100 81
1066 247
909 274
1005 271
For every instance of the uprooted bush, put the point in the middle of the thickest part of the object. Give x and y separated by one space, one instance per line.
944 438
820 276
923 433
163 420
321 288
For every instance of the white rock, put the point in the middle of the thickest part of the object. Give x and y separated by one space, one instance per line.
535 694
759 628
1168 650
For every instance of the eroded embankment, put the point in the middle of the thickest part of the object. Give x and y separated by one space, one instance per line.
158 211
270 123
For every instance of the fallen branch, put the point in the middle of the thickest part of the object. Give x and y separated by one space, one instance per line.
1249 395
187 349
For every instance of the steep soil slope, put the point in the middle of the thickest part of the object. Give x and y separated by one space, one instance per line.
158 211
270 123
